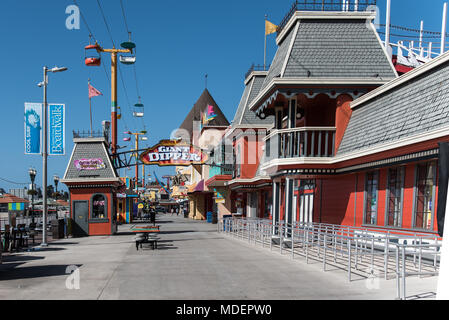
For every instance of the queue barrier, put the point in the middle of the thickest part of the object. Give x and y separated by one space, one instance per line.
360 251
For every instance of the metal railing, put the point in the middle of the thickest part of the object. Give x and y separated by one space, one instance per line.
300 142
364 252
326 5
256 68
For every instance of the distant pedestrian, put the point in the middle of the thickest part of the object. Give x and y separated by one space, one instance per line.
177 211
171 210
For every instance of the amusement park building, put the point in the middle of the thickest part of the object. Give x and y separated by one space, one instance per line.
204 126
239 183
352 143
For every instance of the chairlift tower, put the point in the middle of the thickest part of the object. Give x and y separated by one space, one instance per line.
128 47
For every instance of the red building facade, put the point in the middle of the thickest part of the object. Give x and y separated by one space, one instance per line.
352 143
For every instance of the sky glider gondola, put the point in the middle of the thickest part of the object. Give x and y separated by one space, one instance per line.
92 60
127 60
129 45
138 110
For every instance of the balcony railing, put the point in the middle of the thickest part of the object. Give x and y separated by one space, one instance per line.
326 5
306 142
89 134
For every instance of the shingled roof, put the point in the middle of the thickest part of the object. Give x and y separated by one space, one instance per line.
199 107
414 104
243 115
87 150
328 48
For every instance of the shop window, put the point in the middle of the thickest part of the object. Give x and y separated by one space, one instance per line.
371 198
99 207
394 197
424 195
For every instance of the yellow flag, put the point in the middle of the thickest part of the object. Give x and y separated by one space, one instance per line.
270 27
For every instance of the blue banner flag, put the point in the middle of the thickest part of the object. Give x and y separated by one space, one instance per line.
33 128
56 129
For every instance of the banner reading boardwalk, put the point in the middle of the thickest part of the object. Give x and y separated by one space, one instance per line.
56 121
173 153
33 128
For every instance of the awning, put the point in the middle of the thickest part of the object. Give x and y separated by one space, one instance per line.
199 187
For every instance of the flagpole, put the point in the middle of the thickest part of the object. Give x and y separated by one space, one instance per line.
90 110
265 46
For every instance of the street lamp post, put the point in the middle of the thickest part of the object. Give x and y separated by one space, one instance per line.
56 180
45 152
32 173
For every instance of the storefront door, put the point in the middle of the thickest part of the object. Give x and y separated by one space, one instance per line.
80 218
252 205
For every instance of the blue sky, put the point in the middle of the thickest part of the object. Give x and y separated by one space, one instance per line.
178 42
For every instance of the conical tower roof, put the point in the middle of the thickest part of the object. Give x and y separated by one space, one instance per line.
200 107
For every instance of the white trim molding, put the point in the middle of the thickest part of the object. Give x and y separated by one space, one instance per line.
335 82
255 74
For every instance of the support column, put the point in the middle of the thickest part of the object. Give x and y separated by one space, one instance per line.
276 206
114 102
292 125
288 204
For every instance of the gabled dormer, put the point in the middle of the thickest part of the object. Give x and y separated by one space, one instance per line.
325 59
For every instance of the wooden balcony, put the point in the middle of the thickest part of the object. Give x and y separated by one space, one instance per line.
305 142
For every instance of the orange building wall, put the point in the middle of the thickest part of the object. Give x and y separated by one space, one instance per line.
95 229
342 117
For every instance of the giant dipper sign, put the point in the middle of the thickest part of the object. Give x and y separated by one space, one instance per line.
172 153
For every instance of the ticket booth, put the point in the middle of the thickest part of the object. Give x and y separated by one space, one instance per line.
93 184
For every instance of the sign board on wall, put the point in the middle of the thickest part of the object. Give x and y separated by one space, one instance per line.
56 129
89 164
33 128
173 153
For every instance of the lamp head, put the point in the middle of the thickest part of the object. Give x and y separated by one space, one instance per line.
56 69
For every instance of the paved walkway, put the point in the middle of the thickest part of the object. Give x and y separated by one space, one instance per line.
193 262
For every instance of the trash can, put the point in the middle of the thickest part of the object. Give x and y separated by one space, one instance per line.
57 228
209 217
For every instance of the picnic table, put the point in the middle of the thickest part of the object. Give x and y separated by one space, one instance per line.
146 234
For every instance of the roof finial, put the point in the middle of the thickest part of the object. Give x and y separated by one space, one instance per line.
206 79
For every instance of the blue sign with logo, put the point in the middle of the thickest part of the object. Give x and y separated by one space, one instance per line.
56 129
33 128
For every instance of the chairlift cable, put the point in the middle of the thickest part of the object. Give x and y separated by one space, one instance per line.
124 16
85 21
106 22
126 92
134 66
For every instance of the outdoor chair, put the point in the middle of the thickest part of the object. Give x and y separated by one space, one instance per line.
22 237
